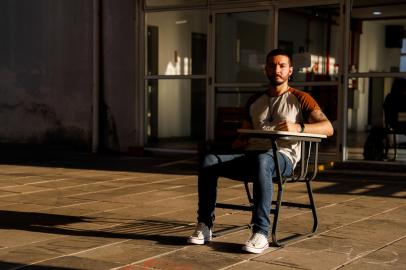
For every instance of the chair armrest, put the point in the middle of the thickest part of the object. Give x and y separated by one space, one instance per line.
283 135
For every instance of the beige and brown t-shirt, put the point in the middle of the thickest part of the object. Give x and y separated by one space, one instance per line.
265 112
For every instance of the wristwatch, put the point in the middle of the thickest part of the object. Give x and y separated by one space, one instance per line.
301 127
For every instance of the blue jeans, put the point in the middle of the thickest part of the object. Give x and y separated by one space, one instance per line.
256 166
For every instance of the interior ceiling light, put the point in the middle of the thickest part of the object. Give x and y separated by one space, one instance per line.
181 22
377 13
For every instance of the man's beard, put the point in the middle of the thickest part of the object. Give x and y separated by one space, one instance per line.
274 81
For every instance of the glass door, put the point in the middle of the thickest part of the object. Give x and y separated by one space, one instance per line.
241 41
312 36
376 108
175 79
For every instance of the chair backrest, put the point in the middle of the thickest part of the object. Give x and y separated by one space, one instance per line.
228 120
395 107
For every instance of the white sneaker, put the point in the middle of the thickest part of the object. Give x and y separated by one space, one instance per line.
201 234
256 244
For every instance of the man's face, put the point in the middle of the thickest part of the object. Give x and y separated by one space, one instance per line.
278 69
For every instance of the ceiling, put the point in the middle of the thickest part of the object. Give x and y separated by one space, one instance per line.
390 9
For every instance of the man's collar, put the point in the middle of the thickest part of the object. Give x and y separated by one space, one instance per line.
272 91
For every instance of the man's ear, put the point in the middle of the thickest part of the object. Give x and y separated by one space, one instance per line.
290 70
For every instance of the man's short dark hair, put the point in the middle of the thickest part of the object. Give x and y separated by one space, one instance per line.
276 52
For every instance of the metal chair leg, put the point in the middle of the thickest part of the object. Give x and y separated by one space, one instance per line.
279 180
313 207
279 203
276 212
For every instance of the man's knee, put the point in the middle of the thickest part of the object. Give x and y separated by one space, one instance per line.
210 160
266 160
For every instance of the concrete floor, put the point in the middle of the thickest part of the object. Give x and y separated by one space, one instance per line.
95 212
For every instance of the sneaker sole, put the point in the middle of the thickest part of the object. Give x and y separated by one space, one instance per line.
255 250
198 241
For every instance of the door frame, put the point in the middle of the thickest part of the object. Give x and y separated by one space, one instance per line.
216 8
212 84
273 9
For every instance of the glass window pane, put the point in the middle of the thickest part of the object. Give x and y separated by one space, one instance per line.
402 63
157 3
230 111
377 44
176 42
311 35
234 96
241 46
366 116
175 113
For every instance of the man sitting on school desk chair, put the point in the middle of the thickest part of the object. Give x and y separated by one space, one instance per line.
279 108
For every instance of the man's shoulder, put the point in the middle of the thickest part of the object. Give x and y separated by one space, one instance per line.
305 99
297 92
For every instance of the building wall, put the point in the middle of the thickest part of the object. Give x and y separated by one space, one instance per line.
46 72
118 115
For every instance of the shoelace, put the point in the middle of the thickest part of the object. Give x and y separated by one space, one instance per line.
255 239
199 229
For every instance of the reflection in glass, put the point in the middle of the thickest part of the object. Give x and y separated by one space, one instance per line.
241 46
311 34
376 45
402 63
402 67
175 112
234 96
230 111
176 42
365 115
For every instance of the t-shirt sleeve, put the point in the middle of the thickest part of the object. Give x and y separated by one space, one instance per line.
251 100
307 103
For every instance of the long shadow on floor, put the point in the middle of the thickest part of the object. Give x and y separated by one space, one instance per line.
163 232
59 158
11 265
390 186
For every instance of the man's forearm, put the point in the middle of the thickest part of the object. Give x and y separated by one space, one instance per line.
322 127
